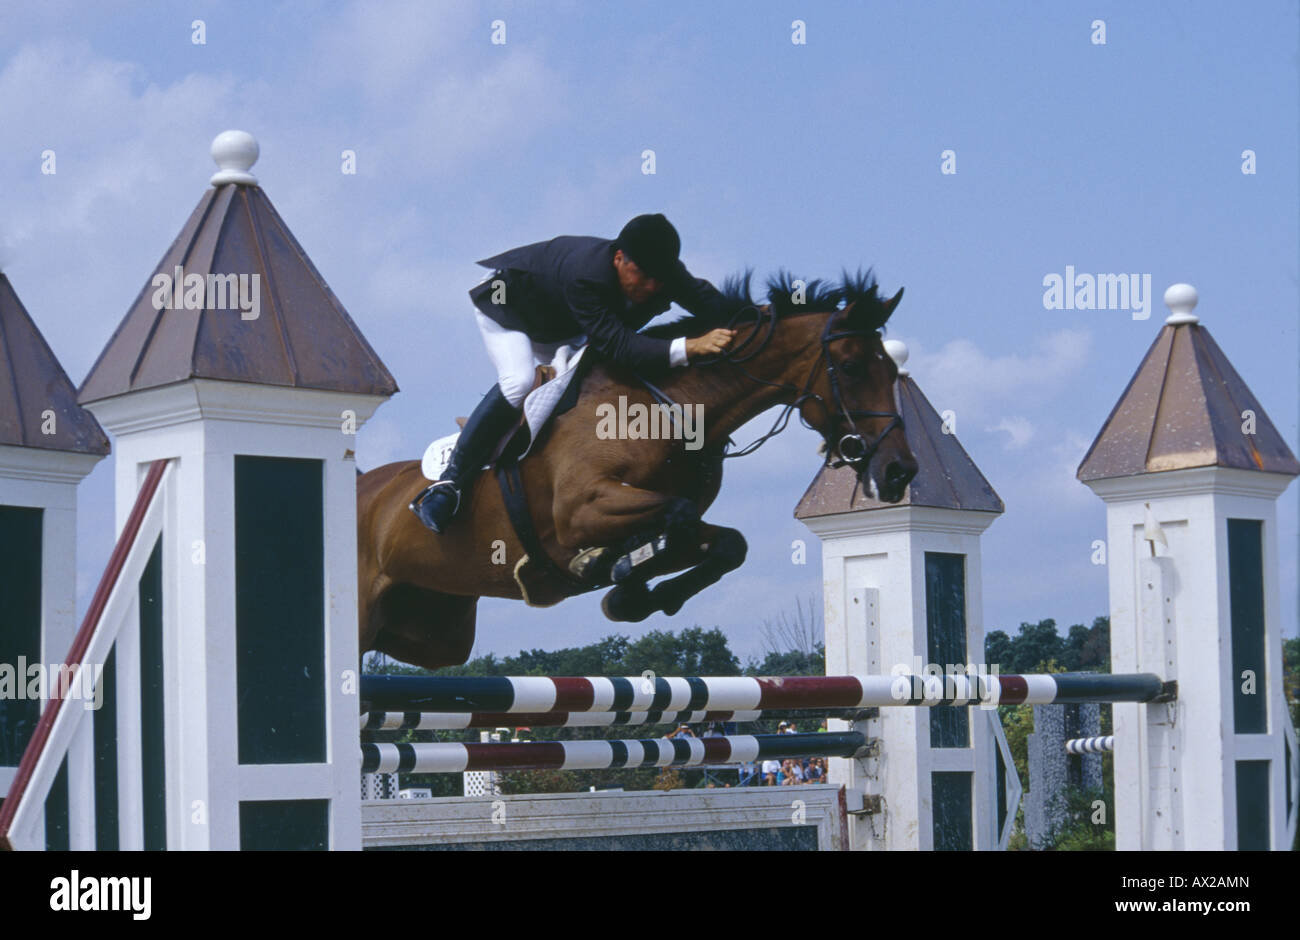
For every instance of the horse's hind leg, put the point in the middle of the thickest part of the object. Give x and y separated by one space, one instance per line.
719 551
425 627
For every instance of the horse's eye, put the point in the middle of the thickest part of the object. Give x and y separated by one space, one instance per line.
851 368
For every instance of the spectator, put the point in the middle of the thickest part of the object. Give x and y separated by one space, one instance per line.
771 769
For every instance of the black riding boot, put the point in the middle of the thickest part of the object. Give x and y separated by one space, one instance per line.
438 504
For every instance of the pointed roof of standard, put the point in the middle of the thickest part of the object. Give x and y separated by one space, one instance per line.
946 477
300 337
33 384
1185 407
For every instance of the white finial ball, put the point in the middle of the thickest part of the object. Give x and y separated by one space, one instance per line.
897 350
235 153
1181 301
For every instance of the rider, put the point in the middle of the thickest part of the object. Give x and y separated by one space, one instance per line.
563 292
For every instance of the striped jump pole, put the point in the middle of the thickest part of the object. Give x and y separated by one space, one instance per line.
601 755
454 721
536 694
1096 745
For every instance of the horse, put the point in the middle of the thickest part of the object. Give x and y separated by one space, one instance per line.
622 512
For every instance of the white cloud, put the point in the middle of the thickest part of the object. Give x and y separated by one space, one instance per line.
982 385
1019 431
433 90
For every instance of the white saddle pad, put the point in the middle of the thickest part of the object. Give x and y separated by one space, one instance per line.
538 407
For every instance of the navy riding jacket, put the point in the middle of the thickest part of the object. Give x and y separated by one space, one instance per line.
566 286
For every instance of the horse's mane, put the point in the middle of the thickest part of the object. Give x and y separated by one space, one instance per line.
859 288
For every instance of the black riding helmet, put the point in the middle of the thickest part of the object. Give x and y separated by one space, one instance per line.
653 245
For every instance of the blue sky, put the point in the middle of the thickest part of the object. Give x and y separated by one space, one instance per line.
1123 157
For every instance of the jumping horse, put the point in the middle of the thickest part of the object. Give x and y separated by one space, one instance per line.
624 512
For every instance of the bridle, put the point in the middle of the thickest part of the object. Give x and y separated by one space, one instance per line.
852 449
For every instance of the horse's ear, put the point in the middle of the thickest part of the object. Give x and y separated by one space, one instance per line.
892 302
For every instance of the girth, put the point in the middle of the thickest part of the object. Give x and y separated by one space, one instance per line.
515 499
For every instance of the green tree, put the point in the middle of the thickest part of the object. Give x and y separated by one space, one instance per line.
792 663
694 652
999 650
1080 833
1038 642
1087 649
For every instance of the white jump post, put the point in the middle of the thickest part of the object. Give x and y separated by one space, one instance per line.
902 587
48 445
1190 469
251 377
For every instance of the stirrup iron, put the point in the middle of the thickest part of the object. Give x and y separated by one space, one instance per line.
425 493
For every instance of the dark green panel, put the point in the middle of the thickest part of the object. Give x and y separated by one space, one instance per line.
20 626
56 812
105 734
952 796
1252 806
280 609
945 634
1246 607
284 825
153 726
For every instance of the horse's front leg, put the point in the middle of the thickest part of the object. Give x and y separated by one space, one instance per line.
718 551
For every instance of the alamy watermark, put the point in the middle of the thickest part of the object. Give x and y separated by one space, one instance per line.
181 291
1072 291
641 422
78 892
37 681
931 682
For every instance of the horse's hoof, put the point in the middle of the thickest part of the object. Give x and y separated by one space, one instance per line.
627 606
663 599
586 565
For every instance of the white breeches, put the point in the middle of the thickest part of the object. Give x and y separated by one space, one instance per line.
516 356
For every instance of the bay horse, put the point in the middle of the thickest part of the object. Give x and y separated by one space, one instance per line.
622 512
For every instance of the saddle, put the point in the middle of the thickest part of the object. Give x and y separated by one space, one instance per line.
541 406
536 570
536 573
